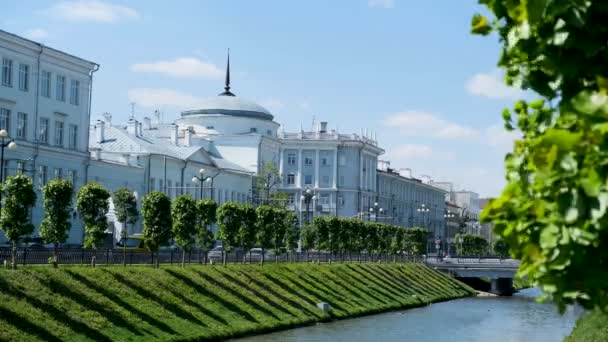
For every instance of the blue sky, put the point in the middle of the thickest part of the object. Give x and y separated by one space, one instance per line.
407 70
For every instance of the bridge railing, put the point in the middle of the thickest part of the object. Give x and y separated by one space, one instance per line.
471 259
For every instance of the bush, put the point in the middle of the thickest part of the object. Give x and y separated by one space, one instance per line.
471 245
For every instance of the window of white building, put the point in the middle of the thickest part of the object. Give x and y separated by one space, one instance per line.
20 167
342 161
73 137
21 125
169 189
58 173
44 130
324 161
253 130
161 187
72 176
60 88
7 72
341 180
291 159
59 133
291 198
291 179
5 119
324 199
152 184
24 77
45 83
325 180
75 92
42 176
308 179
340 200
308 161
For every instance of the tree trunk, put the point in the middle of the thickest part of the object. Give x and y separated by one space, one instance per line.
14 256
94 257
55 256
184 257
157 259
262 257
124 254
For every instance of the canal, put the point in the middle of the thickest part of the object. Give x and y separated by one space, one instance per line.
494 319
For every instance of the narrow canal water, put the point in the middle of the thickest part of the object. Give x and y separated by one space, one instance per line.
493 319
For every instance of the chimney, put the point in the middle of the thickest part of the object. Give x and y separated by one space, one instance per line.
147 123
174 134
140 130
107 117
100 131
188 136
405 172
323 127
132 126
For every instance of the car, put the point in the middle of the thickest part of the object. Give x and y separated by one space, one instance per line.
132 242
215 254
255 254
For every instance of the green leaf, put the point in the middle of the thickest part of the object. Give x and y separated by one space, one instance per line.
563 139
549 237
535 9
480 25
591 183
588 102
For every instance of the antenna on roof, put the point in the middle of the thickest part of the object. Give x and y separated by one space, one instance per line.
227 82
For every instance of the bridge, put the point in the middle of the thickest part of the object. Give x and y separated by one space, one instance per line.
500 271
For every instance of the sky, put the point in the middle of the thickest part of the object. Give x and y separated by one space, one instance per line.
407 71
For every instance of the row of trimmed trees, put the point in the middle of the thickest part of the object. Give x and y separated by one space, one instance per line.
474 245
345 235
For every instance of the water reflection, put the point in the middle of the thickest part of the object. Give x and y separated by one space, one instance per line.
495 319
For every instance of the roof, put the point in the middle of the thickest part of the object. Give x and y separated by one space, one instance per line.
231 106
228 165
413 180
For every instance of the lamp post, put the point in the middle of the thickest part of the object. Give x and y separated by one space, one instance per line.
308 196
377 210
5 142
201 179
447 216
422 210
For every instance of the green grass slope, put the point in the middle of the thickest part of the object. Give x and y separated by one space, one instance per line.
204 302
592 327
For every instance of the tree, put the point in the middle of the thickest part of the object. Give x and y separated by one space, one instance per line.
207 214
501 248
323 233
471 244
397 240
309 237
247 230
125 209
156 210
267 183
266 223
229 221
185 218
292 233
415 240
18 199
280 230
57 195
553 212
92 204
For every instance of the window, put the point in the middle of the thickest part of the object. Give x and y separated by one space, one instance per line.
59 133
253 130
324 161
268 132
325 180
73 137
7 72
169 188
324 199
341 180
225 196
308 161
5 119
45 83
291 159
210 127
21 125
178 189
152 183
42 176
232 199
340 200
60 88
75 92
342 160
44 130
291 198
291 179
161 186
308 179
20 167
24 77
72 176
58 173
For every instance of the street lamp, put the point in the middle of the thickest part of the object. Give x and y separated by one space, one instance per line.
376 210
201 179
423 209
5 142
308 196
447 216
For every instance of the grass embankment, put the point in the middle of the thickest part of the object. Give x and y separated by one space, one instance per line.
204 302
592 327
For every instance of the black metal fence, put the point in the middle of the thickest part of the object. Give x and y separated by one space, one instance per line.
78 256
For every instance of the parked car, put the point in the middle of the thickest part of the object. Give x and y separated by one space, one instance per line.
215 254
132 242
255 254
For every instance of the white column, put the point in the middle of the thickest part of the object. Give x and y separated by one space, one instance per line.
316 168
299 183
335 182
281 164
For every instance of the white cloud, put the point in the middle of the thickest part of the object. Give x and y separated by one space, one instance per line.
37 34
491 85
411 151
381 3
158 97
92 10
273 104
424 124
183 67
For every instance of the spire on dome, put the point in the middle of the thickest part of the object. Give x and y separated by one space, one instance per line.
227 84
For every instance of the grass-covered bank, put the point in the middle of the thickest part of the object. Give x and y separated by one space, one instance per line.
204 302
592 327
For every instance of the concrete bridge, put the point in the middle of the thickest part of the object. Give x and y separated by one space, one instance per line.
500 271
